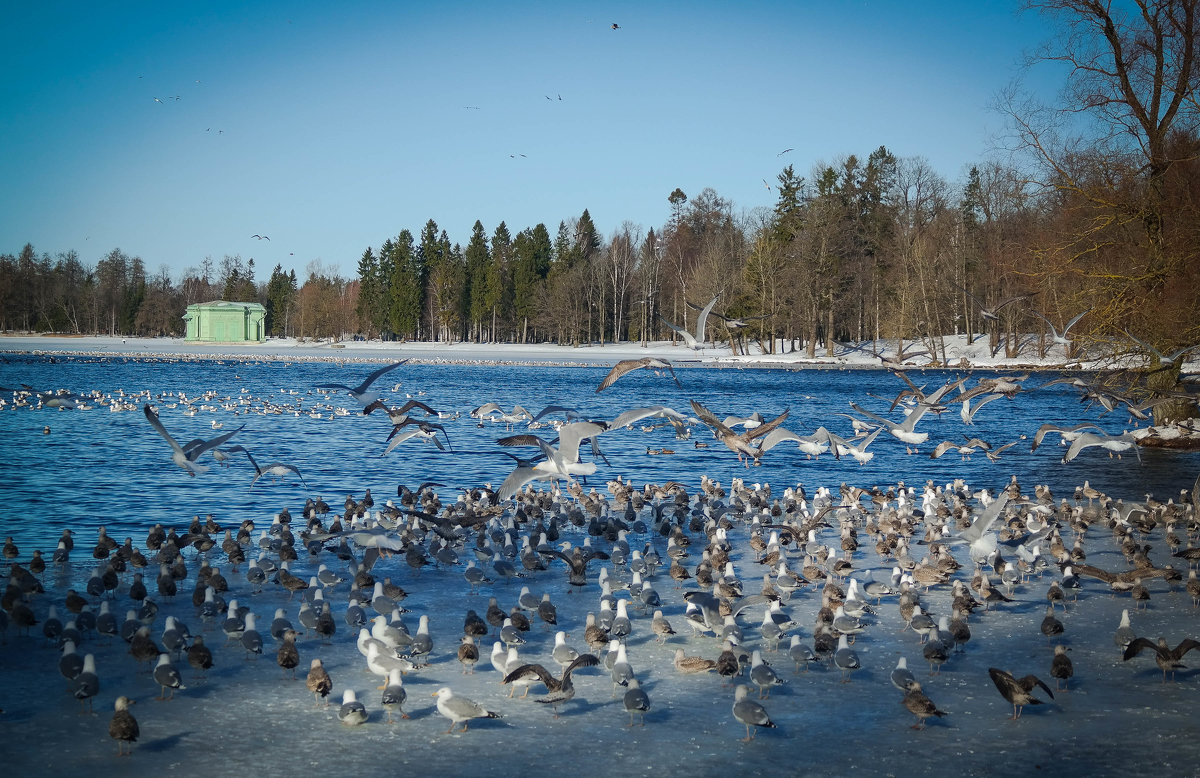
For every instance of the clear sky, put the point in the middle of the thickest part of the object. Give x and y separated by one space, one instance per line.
331 126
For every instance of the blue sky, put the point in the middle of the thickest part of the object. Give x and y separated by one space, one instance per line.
332 126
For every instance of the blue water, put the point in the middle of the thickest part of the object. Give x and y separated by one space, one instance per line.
112 468
96 467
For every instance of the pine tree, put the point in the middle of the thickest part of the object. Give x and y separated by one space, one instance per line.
477 259
404 287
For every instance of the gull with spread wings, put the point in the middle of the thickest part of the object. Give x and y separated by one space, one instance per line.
561 462
629 365
362 392
695 341
183 456
742 444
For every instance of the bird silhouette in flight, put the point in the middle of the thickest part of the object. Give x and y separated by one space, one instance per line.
260 237
616 26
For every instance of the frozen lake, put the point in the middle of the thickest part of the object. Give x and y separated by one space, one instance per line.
99 467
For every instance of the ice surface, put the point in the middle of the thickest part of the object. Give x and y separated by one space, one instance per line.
99 467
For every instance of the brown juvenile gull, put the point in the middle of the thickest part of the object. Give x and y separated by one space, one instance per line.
919 705
1061 668
123 727
1018 691
1168 659
629 365
318 681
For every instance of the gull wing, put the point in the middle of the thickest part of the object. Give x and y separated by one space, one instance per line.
569 436
687 336
152 417
371 378
637 414
702 318
986 519
708 418
764 429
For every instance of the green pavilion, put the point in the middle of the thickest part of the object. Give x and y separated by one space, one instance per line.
224 322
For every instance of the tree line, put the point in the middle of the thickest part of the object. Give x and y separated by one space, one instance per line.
860 248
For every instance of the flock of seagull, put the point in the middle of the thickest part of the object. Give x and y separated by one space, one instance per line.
654 554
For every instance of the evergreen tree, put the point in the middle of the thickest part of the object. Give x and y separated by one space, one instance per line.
404 287
477 259
369 308
281 301
532 251
498 292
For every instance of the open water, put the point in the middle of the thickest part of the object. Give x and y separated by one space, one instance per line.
99 467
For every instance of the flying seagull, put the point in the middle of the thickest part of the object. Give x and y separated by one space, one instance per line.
697 340
186 458
993 313
629 365
260 237
1057 337
361 392
275 469
740 444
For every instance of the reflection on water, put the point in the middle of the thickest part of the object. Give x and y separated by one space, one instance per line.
96 466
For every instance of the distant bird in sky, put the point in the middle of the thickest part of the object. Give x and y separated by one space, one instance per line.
768 186
157 100
616 26
785 151
260 237
471 107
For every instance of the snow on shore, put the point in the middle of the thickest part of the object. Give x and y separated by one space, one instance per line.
959 354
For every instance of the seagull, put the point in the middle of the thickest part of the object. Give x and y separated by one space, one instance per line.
260 237
1168 659
629 365
559 690
694 341
919 705
1113 443
562 462
740 444
361 392
186 458
905 430
1018 691
577 563
636 702
841 447
1060 338
275 469
749 712
993 313
460 709
399 415
1164 360
352 713
785 151
123 727
167 676
731 322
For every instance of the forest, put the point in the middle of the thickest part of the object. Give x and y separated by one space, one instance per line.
1090 207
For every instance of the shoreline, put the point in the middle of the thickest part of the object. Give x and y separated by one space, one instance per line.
504 354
